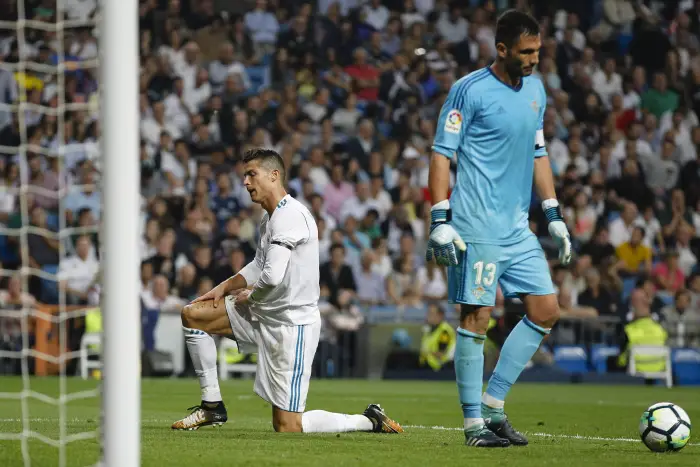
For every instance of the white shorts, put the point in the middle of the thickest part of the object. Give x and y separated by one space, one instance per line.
285 356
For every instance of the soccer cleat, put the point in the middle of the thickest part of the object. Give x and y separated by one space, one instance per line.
482 437
381 422
505 430
202 416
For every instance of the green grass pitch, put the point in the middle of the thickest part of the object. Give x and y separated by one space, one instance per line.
568 425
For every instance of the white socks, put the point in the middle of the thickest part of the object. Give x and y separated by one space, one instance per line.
473 422
320 421
488 399
202 350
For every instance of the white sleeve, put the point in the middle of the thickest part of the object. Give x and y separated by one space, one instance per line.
251 272
288 230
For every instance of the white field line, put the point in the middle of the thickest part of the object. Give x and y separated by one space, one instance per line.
542 435
409 427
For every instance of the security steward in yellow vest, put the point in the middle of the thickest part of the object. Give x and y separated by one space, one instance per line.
438 341
93 325
642 330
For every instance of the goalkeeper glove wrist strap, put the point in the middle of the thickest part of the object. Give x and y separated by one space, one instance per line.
552 210
440 213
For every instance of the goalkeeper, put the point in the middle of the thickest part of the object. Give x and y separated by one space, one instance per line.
491 123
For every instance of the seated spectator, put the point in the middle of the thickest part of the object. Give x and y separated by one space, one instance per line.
337 279
79 273
686 257
569 309
402 286
596 296
370 285
682 321
13 298
599 247
438 342
667 275
186 284
155 301
433 282
634 257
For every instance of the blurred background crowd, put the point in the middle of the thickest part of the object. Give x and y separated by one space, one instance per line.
348 92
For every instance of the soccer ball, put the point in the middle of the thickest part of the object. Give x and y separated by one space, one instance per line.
664 427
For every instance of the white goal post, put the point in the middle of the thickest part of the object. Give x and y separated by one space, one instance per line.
121 392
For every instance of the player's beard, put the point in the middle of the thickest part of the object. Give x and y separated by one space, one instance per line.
514 68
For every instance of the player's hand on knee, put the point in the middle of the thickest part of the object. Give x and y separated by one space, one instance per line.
443 244
214 294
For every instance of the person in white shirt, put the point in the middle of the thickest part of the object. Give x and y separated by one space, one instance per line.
358 205
376 14
621 228
227 66
196 97
452 26
77 274
607 82
270 308
262 24
152 127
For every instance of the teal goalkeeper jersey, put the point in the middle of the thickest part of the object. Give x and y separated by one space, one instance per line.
495 131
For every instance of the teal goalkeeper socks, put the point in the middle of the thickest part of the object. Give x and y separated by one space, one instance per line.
469 366
519 347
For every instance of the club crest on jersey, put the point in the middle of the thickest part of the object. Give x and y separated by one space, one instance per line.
478 292
453 123
535 106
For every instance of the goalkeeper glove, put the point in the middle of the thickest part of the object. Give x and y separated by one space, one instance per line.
557 229
443 237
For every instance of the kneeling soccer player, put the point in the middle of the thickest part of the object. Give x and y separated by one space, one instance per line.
270 307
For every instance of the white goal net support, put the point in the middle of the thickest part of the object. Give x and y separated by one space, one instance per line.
74 150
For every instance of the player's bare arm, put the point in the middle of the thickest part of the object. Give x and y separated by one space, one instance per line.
439 177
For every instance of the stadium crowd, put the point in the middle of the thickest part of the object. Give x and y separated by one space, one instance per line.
348 92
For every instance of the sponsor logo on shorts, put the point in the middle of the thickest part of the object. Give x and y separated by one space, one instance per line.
478 292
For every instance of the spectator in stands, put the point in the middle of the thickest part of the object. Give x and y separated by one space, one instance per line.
433 282
402 285
599 248
186 283
597 296
682 321
155 301
621 228
634 256
337 279
262 26
87 196
667 275
370 285
79 273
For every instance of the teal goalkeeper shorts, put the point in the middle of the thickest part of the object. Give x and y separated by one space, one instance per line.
520 268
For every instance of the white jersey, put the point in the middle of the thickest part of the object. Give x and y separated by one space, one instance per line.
288 297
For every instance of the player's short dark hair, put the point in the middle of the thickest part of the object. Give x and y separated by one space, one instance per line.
514 23
268 158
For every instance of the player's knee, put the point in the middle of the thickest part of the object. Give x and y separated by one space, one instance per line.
187 316
475 319
545 316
